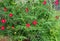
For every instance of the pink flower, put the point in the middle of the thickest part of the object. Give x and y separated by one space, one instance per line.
34 22
44 3
27 25
56 2
10 14
3 20
2 28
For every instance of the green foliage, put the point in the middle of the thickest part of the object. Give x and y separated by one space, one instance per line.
45 30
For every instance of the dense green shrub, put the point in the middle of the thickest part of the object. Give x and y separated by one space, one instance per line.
31 21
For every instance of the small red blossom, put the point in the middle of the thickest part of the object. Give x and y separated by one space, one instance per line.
27 25
10 14
5 9
2 28
44 3
12 27
3 20
56 3
34 22
56 0
26 9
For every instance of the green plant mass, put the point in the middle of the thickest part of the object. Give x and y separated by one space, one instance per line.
29 21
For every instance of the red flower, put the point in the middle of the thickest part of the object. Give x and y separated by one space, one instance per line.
3 20
5 9
2 28
44 3
12 27
34 22
10 14
27 25
26 9
57 17
56 2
